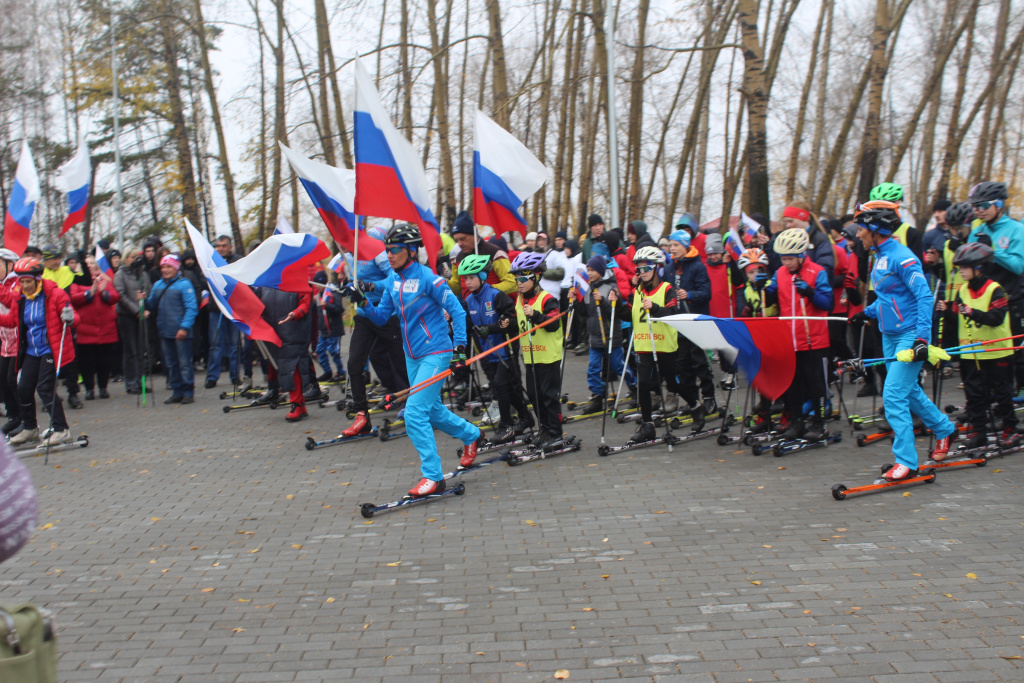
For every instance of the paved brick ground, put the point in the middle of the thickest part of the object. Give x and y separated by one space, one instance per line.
189 545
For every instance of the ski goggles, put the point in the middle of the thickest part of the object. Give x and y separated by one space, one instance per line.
985 206
647 268
523 278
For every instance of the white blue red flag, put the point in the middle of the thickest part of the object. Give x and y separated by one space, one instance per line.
204 298
763 347
74 176
581 283
750 226
337 264
505 174
734 244
280 262
390 181
103 263
25 192
283 226
234 299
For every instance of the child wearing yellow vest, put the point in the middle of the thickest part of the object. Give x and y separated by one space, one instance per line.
981 305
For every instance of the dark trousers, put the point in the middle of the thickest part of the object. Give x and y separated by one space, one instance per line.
131 360
808 385
38 375
988 382
382 345
693 370
1017 327
837 330
872 349
543 387
95 362
507 388
9 387
650 377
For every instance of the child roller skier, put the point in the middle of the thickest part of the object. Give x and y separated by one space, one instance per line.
903 311
981 307
488 308
420 299
601 329
753 263
802 289
543 352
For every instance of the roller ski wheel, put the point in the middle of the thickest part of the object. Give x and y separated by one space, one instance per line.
839 492
350 414
324 399
722 439
227 409
310 443
862 440
757 449
603 450
477 411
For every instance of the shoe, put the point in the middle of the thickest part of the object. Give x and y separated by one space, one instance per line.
297 413
426 487
14 432
185 400
976 440
90 395
104 393
325 377
469 452
523 425
867 390
762 425
26 436
55 438
360 426
312 392
503 434
266 398
74 401
1009 437
210 384
941 449
594 405
245 384
947 372
133 390
699 419
552 441
339 378
173 399
710 405
581 350
671 404
816 432
898 472
794 431
729 382
644 432
10 426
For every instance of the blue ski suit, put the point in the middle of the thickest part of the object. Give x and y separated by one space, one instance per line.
420 298
903 310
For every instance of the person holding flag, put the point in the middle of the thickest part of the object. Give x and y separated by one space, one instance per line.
96 338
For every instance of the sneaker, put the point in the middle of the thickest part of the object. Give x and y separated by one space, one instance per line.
297 413
10 426
325 377
55 438
427 487
210 383
710 405
794 431
581 350
104 393
90 395
898 472
361 425
74 401
644 432
729 382
26 436
469 452
867 390
173 399
245 384
671 404
941 449
185 400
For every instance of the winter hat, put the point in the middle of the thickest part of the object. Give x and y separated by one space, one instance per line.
941 205
688 222
593 220
573 246
171 260
500 241
599 248
111 253
613 240
18 522
463 224
638 228
713 244
563 234
103 244
680 236
531 236
597 263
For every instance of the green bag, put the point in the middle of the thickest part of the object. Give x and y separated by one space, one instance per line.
28 645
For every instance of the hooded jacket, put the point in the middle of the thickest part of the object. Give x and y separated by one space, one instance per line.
689 273
603 286
55 300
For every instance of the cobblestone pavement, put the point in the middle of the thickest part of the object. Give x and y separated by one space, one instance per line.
188 545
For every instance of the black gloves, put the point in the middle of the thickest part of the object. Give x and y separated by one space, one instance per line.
920 349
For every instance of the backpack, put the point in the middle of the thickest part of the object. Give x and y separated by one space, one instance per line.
28 645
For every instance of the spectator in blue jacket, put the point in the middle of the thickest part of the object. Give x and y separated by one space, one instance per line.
421 300
173 301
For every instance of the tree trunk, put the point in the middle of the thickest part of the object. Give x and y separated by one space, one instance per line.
176 116
949 149
573 84
756 93
801 114
832 164
323 46
820 100
998 46
447 179
547 53
878 67
634 128
406 72
499 78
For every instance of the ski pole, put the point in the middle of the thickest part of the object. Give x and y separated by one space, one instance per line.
625 363
53 403
657 374
138 357
565 341
608 375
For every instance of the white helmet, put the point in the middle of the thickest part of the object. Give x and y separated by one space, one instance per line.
792 242
8 255
651 254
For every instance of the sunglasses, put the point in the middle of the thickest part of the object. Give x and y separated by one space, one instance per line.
523 278
645 269
983 206
396 250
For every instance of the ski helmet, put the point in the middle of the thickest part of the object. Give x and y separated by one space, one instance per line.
988 191
404 235
8 255
959 214
879 216
29 267
52 251
792 242
649 254
752 257
973 255
890 192
475 264
528 262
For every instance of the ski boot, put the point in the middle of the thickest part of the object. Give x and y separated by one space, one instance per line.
941 449
644 432
594 405
503 434
671 405
297 413
523 424
1009 438
361 425
266 398
762 425
816 432
710 405
312 392
898 473
794 431
977 439
325 377
426 487
469 452
551 441
699 415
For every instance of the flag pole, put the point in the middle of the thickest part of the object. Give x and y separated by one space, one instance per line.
119 200
355 257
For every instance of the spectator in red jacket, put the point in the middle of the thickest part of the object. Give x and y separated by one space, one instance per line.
96 346
9 346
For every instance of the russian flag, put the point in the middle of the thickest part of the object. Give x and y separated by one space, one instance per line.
74 176
283 227
763 347
750 226
337 264
734 244
234 299
24 194
204 299
390 181
103 263
581 283
280 262
505 174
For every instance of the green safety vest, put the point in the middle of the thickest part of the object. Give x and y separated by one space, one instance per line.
666 338
971 332
547 341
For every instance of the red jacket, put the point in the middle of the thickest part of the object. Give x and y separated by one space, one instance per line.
56 300
807 334
722 303
99 317
842 268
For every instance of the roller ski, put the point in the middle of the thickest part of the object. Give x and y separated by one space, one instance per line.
268 399
893 477
805 443
437 489
41 447
477 464
358 430
251 392
504 438
551 446
644 437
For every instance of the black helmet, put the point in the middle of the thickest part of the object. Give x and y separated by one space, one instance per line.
987 191
959 214
52 251
878 216
404 234
973 255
